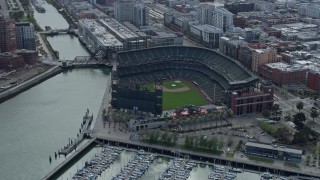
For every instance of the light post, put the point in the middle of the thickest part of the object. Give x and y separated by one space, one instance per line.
73 142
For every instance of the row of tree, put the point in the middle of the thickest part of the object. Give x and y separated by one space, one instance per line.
195 142
158 137
196 122
313 113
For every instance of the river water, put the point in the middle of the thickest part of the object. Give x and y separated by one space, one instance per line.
39 121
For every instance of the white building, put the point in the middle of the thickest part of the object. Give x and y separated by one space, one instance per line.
129 39
222 19
97 35
265 6
205 13
140 15
25 36
123 10
310 10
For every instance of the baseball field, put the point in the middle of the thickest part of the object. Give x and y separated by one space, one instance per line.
178 93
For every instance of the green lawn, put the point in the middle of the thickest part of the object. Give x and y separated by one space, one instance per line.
291 164
260 159
173 100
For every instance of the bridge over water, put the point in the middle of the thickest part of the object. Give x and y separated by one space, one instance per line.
103 56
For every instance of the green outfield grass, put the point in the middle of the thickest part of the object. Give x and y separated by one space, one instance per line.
173 100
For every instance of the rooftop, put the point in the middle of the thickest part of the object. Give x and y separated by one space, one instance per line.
100 33
286 67
274 147
119 29
207 28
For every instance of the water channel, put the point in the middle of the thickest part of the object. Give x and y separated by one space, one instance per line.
38 122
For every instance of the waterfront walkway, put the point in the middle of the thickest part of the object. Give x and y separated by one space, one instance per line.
57 170
84 130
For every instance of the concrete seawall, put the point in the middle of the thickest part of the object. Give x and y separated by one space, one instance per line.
57 171
29 83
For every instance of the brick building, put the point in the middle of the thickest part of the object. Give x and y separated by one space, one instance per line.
7 35
253 101
313 80
282 74
29 56
253 55
263 56
9 60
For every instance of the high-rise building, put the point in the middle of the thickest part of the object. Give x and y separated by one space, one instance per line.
25 36
7 35
222 19
123 10
205 13
140 15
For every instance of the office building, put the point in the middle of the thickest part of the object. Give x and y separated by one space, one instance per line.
273 151
206 34
205 13
140 15
25 36
123 10
97 35
222 19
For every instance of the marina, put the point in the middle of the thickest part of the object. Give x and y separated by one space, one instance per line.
155 171
179 169
97 164
223 173
136 167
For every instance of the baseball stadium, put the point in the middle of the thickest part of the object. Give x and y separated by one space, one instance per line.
187 75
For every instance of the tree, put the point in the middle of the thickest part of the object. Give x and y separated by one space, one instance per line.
300 117
298 123
188 142
164 136
175 137
16 15
221 144
275 107
202 141
229 113
300 137
300 106
283 134
314 114
266 113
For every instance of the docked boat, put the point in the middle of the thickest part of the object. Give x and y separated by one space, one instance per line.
236 170
266 176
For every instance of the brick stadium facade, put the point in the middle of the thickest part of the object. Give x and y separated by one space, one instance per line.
253 102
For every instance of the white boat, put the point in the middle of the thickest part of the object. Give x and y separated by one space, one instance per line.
236 170
266 176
